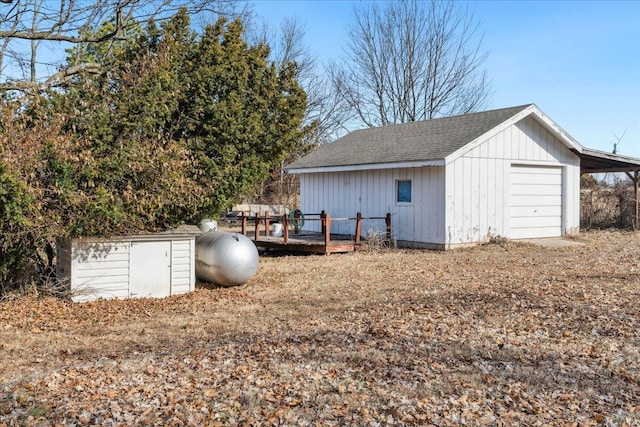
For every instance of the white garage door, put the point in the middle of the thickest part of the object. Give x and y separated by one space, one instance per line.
536 202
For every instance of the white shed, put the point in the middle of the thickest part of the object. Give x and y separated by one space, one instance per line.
454 181
145 265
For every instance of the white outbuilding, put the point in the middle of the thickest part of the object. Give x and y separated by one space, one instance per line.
135 266
454 181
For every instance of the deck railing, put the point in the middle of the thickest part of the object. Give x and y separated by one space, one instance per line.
324 217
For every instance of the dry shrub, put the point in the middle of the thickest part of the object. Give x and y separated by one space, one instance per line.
36 287
376 240
498 240
607 207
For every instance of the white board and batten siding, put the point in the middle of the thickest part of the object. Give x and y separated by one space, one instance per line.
520 183
156 265
518 180
373 193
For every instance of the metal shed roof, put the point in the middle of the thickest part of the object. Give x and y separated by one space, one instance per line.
594 161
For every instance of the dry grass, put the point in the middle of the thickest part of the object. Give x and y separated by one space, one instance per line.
499 334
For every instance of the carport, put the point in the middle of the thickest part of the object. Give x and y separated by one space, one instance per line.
594 161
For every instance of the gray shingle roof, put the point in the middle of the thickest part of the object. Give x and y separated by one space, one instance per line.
416 141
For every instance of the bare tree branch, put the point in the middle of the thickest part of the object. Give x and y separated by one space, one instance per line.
59 79
411 60
62 77
5 42
57 24
55 37
324 109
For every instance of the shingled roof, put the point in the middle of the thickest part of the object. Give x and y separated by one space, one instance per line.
426 140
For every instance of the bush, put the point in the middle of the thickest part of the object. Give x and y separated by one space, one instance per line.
15 245
179 127
608 207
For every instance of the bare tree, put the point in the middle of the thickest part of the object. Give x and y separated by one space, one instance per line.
324 108
411 60
28 27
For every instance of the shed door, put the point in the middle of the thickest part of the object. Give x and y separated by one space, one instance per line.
150 266
536 202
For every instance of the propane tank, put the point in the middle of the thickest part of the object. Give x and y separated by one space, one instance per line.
208 225
226 259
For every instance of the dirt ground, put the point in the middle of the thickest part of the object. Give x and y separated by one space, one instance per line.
498 334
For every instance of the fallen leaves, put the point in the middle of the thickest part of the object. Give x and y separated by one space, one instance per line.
478 336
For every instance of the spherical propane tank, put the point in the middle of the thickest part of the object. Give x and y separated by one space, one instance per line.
227 259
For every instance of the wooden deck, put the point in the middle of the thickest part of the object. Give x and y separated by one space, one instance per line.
307 242
299 240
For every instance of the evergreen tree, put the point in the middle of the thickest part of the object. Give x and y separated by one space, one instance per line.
176 127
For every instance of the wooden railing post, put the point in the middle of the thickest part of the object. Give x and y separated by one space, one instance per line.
257 226
296 224
267 223
388 222
327 228
358 226
244 224
285 225
322 224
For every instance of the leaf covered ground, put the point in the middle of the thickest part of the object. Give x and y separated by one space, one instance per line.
499 334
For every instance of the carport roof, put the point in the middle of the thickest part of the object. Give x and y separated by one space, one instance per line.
594 161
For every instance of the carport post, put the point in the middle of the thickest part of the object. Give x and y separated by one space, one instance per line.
636 194
636 178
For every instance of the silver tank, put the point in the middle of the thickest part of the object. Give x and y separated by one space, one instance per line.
226 259
208 225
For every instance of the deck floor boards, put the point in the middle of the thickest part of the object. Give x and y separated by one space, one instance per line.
306 242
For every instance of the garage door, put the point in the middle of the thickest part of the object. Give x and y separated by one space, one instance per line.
536 202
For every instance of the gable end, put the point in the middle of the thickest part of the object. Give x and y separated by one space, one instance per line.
533 111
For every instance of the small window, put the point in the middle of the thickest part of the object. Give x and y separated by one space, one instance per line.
403 191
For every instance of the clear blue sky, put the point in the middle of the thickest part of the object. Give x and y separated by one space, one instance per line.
579 61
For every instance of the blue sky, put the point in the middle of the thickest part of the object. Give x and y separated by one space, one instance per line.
579 61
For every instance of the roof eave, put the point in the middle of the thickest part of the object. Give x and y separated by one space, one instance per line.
367 166
560 133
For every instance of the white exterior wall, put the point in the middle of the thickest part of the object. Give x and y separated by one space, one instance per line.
102 269
571 207
478 182
99 270
373 193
